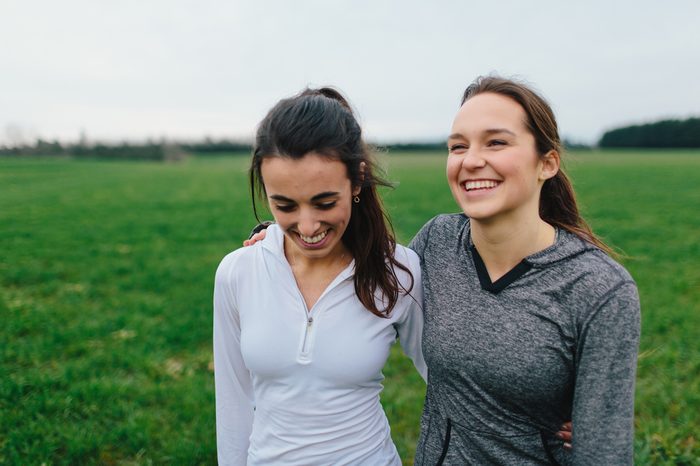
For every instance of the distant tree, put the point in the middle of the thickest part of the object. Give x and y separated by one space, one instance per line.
665 133
210 146
575 145
416 146
48 148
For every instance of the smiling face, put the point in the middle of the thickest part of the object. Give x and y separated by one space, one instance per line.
493 168
311 200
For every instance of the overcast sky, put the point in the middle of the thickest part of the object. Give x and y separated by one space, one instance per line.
138 69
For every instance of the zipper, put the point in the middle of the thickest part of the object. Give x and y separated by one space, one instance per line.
304 356
307 336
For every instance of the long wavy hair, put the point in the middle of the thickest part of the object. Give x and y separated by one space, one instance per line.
322 121
558 204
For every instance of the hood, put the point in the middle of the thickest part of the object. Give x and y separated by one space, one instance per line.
566 246
274 240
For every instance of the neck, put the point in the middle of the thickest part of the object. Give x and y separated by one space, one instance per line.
504 244
338 257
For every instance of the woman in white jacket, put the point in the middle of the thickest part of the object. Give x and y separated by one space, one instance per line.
304 320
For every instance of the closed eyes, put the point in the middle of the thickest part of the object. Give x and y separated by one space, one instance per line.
291 207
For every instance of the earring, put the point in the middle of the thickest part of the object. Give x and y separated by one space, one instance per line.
356 199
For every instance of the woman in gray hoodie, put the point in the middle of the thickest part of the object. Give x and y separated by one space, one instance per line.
528 320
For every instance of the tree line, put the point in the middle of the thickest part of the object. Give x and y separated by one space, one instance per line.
169 151
661 134
156 151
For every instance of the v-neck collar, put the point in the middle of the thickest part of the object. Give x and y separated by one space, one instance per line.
499 285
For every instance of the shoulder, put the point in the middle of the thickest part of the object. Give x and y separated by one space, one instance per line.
447 221
577 262
448 225
236 261
583 278
606 300
250 256
407 257
603 288
440 227
609 281
601 272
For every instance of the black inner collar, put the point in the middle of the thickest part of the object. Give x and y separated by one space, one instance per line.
500 284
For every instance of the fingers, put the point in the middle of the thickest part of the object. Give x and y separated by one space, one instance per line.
565 433
255 238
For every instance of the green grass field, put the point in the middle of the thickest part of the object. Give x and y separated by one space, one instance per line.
106 273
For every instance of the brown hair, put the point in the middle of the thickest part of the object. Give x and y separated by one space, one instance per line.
322 121
558 205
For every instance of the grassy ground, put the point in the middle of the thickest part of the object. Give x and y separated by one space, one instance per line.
105 297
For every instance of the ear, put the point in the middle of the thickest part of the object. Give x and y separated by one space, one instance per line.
356 190
550 165
363 167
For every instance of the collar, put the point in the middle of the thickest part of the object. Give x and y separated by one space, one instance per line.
274 242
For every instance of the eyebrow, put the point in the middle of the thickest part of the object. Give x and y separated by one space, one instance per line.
499 130
317 197
488 131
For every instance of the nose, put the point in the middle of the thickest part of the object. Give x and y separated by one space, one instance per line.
308 224
473 160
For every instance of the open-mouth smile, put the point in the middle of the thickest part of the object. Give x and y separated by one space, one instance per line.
312 240
478 185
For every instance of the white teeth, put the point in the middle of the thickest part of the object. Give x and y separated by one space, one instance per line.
313 239
479 184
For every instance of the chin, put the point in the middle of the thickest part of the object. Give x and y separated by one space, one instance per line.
478 214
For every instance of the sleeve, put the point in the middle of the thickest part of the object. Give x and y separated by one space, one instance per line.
420 241
233 385
603 407
410 325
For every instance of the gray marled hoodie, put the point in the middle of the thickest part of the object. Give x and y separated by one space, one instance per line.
554 339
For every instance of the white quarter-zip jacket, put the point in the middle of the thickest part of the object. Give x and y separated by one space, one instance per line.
298 386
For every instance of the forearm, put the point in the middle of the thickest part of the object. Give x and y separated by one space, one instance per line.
603 410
